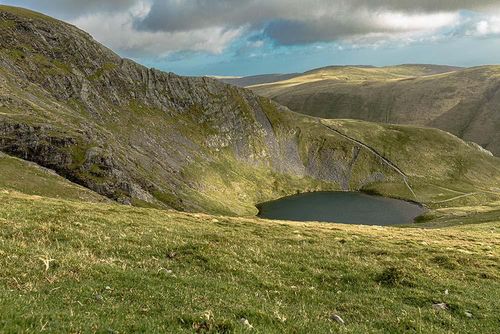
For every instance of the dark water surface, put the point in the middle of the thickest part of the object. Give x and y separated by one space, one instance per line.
341 207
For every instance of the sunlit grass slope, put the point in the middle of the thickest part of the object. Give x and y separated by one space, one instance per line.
29 178
356 74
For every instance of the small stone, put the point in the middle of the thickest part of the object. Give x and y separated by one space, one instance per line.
108 288
468 314
337 319
166 271
215 220
245 323
440 306
446 292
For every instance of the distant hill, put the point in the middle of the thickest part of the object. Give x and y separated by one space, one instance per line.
404 69
461 101
400 70
257 79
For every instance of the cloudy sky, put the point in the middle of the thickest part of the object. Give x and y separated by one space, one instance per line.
245 37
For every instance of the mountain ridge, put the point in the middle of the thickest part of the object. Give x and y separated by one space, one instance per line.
144 137
79 112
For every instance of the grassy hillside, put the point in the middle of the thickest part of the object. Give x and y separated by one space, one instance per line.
143 137
442 169
81 267
463 101
74 266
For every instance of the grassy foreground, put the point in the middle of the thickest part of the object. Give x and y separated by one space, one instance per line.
68 266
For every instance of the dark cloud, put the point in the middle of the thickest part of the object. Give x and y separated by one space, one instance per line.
175 15
296 32
162 26
291 22
424 5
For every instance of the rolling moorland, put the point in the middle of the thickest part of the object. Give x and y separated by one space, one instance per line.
358 72
84 132
462 101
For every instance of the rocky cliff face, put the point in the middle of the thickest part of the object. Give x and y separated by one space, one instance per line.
145 137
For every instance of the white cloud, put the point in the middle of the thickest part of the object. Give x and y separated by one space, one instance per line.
118 32
255 44
490 26
400 21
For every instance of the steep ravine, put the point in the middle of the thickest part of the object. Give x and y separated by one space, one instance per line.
374 151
